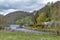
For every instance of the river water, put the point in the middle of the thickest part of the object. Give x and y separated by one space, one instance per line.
28 30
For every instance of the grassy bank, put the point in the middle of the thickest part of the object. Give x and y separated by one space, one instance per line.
26 36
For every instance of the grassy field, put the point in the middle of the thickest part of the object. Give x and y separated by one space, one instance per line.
26 36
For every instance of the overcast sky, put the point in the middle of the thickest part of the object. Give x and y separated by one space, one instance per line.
7 6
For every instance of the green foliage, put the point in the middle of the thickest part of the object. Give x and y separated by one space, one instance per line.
48 19
24 20
41 18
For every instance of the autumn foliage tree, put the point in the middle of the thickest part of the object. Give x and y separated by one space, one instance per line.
41 18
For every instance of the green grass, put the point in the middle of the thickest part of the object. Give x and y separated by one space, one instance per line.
26 36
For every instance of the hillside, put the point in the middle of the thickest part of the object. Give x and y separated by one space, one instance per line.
14 16
1 16
51 10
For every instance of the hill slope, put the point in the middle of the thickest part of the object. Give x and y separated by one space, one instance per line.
52 10
12 17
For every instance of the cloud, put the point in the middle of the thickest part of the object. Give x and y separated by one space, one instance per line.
7 11
22 5
52 0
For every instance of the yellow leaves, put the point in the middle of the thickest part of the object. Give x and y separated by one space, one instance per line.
41 18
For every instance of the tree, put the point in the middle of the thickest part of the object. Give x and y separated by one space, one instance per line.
49 10
35 15
41 18
26 19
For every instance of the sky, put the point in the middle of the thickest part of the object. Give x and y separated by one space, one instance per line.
7 6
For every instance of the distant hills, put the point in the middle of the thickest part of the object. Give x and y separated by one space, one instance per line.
13 16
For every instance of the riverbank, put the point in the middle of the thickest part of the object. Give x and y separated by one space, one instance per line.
30 31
